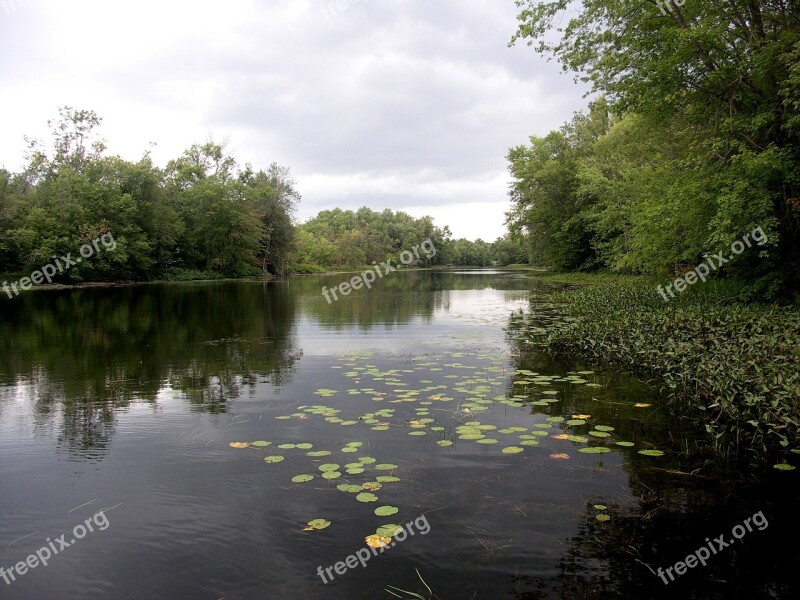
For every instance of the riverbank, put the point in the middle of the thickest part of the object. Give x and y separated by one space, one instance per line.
734 365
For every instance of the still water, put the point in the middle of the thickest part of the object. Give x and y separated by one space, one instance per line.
418 399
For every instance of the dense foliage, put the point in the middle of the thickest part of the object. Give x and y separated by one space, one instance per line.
344 238
697 143
200 216
737 365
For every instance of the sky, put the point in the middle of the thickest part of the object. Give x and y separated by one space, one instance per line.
409 105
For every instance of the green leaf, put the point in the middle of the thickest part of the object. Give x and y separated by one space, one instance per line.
385 511
651 452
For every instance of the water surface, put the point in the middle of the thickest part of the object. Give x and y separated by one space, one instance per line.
127 399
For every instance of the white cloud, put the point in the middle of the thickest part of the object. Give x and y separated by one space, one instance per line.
402 104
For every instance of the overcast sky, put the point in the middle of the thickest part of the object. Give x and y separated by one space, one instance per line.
402 104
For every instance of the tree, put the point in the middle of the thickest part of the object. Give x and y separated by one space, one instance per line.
728 73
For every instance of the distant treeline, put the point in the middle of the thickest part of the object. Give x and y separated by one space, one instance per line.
338 238
202 216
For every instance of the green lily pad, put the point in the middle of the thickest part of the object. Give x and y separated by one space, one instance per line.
366 460
386 467
603 428
651 452
487 441
594 450
389 530
331 475
317 524
600 434
602 517
529 443
625 444
350 488
329 467
385 511
600 506
512 450
319 453
579 439
355 471
273 459
302 478
366 497
304 446
574 422
783 467
287 446
261 444
387 479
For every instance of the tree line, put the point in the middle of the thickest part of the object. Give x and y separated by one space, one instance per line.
693 140
202 216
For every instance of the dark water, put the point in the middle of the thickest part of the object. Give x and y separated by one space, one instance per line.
125 401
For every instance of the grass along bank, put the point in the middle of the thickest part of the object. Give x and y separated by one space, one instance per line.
736 365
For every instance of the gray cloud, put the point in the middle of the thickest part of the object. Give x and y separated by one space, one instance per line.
385 103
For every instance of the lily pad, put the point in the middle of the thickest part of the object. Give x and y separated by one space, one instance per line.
367 497
603 428
513 450
385 467
389 530
387 479
239 444
444 443
261 444
331 475
600 507
319 453
651 452
575 422
602 517
783 467
366 460
329 467
385 511
625 444
600 434
317 524
302 478
273 459
348 487
594 450
304 446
